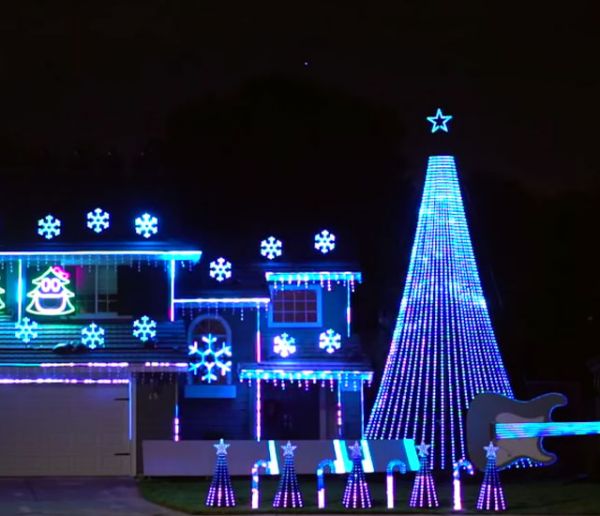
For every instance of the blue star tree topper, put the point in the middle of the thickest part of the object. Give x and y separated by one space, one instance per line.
491 450
221 447
439 122
288 449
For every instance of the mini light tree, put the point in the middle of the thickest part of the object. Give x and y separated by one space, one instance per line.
51 294
356 494
288 492
220 492
491 495
423 492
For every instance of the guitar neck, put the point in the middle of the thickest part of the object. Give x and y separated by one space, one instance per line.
549 429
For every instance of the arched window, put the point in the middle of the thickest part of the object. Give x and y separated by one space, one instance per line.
210 336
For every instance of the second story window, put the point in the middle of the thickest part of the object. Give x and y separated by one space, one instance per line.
96 289
295 307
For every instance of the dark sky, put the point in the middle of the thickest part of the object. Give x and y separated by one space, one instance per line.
260 116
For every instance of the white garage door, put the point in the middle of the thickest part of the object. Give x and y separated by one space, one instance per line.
64 430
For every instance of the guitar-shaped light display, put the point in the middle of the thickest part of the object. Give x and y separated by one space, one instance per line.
518 427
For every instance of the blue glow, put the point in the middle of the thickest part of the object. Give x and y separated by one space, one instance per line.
313 277
443 350
172 273
19 289
273 460
146 225
552 429
220 269
271 248
210 359
330 340
2 304
439 121
98 220
51 296
284 345
49 227
144 328
342 462
92 336
325 241
292 375
26 330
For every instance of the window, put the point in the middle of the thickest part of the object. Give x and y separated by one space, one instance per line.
212 336
96 289
295 307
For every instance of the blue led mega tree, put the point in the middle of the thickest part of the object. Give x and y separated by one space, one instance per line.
443 350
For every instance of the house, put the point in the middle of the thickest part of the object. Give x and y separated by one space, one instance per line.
105 344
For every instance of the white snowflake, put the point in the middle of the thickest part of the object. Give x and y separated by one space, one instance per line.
146 225
284 345
324 241
92 336
144 328
210 358
271 248
220 269
330 341
98 220
48 227
26 330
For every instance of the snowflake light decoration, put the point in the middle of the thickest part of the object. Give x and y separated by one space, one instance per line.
98 220
271 248
49 227
210 359
330 341
26 330
146 225
284 345
92 336
144 328
324 241
220 269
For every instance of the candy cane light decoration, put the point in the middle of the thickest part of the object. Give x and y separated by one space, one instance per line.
256 479
456 491
327 463
393 465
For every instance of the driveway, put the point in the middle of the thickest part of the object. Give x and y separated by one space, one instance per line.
72 496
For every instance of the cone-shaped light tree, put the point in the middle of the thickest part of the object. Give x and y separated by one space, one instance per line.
220 492
356 494
423 492
491 495
288 492
443 350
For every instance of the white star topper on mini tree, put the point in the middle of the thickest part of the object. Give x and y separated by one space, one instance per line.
221 447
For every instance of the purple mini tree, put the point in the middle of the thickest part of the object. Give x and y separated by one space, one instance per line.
288 492
423 492
356 495
491 495
220 492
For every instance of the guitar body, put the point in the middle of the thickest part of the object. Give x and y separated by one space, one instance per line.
489 409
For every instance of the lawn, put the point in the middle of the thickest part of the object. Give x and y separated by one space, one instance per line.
523 495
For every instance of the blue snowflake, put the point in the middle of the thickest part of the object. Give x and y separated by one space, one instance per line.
26 330
330 341
271 248
48 227
146 225
220 269
324 241
210 359
98 220
92 336
144 328
284 345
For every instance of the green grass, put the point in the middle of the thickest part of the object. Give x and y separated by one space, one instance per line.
524 496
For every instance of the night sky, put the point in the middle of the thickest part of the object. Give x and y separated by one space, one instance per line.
237 119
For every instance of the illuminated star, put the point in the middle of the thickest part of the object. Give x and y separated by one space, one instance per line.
491 450
288 449
355 451
439 121
423 449
221 447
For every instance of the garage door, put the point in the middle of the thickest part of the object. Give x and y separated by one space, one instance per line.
64 430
